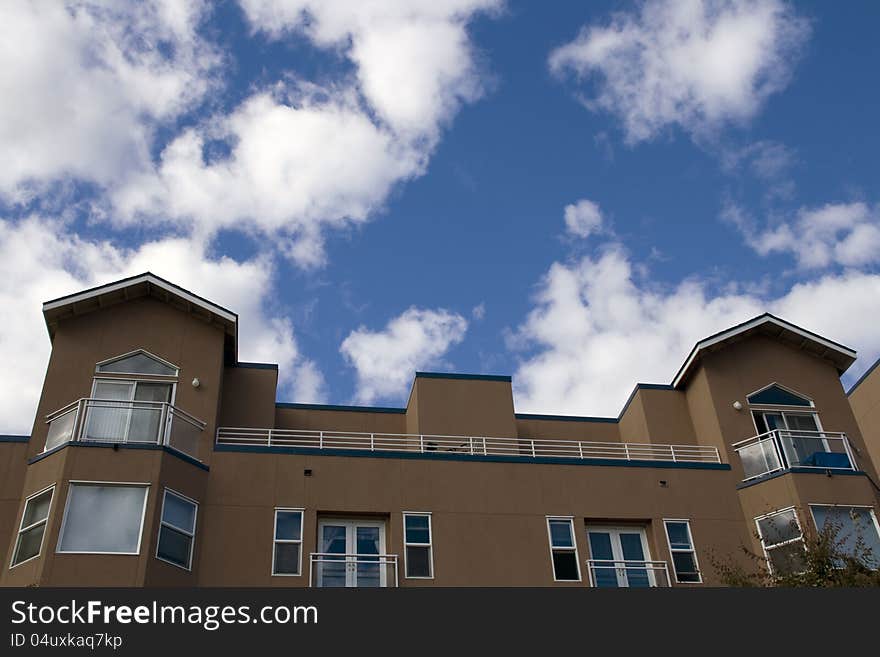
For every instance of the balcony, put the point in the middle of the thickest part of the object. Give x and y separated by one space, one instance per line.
334 570
628 574
466 445
125 422
783 449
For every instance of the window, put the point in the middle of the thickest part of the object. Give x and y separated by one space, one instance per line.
287 545
783 540
857 530
681 548
776 395
177 530
563 550
128 411
33 527
138 362
417 552
103 518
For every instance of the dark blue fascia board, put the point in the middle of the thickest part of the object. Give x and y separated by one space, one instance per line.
257 366
466 377
312 451
14 439
863 377
148 446
330 407
823 471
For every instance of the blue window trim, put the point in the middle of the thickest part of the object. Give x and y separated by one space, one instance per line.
796 470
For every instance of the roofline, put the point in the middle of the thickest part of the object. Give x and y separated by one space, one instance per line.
334 407
466 377
748 325
864 376
146 277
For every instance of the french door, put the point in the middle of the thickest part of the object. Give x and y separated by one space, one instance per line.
127 411
800 438
351 553
619 558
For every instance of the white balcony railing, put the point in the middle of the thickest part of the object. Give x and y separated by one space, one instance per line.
782 449
470 445
627 574
352 570
113 421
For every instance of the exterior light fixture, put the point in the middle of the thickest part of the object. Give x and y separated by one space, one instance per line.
738 405
196 382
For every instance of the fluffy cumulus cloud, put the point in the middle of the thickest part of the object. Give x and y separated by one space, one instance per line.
41 259
689 63
86 84
599 326
843 234
583 218
414 62
385 360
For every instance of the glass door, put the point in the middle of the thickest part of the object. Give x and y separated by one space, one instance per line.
124 421
351 553
618 557
800 437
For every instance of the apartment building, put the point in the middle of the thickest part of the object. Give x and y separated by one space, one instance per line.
157 458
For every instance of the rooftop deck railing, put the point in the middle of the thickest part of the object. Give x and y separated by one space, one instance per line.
132 421
782 449
469 445
628 574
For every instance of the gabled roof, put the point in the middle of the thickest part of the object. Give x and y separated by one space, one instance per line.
841 356
144 285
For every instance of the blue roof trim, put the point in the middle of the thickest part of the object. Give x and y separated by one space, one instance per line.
148 446
466 377
564 418
312 451
257 366
331 407
14 439
863 377
796 470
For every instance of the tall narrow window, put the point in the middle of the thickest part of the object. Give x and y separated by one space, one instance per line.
177 530
287 545
563 550
681 548
783 540
418 554
33 527
103 518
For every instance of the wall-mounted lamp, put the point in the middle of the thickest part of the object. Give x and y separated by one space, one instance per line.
738 405
196 382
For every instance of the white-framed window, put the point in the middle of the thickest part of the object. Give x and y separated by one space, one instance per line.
287 542
563 549
857 530
32 528
139 362
681 549
177 529
103 518
782 538
418 553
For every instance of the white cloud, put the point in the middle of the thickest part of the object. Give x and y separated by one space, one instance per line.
845 234
302 160
385 361
598 328
86 83
41 259
414 62
691 63
583 218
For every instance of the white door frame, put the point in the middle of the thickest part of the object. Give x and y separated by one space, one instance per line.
614 532
351 525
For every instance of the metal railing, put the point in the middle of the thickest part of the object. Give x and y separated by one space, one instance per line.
328 569
782 449
115 421
470 445
604 573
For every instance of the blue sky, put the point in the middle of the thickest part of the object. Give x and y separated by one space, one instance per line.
570 194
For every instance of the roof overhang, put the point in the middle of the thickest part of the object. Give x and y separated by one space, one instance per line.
842 357
144 285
